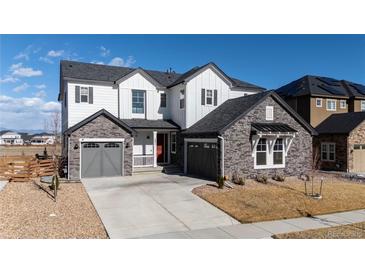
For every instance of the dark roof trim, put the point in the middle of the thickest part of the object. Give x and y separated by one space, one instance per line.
281 102
97 114
271 127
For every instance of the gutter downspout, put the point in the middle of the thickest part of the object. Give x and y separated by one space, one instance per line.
222 155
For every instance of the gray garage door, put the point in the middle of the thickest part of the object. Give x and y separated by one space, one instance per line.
101 159
202 160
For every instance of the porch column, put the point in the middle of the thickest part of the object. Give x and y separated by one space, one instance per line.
155 149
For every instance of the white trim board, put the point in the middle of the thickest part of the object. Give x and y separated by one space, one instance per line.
101 139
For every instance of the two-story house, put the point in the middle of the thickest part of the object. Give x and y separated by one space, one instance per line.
332 107
117 119
11 138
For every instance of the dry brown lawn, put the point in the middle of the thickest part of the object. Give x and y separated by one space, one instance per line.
30 150
256 202
352 231
26 211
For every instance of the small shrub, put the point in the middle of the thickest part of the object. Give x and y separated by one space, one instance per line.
235 178
220 182
261 179
279 177
242 181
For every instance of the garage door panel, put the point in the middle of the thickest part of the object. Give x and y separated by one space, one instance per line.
202 159
112 159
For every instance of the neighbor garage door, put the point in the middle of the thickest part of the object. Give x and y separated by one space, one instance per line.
359 158
202 159
101 159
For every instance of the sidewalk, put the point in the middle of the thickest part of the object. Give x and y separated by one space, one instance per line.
265 230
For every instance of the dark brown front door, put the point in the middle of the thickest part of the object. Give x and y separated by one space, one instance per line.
160 148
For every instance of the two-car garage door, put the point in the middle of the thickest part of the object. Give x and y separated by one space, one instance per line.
202 159
101 159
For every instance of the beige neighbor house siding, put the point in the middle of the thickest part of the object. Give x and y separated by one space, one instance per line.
319 114
357 136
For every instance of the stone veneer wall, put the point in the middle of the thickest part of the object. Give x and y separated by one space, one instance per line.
100 127
340 140
357 136
237 142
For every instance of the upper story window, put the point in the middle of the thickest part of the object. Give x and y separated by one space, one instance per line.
173 142
328 152
362 105
319 102
138 101
269 113
331 104
83 94
209 97
182 98
163 100
342 103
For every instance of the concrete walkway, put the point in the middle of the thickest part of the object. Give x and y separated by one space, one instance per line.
265 230
142 205
2 184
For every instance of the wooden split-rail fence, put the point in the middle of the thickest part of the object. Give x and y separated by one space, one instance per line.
25 168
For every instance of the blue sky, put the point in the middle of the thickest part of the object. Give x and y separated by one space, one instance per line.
29 64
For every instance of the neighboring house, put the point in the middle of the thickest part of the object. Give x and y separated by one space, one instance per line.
316 98
117 119
11 138
42 139
256 134
340 144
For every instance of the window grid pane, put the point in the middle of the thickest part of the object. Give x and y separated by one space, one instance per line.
138 101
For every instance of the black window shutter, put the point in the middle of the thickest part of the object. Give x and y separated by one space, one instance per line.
215 97
77 94
203 96
91 95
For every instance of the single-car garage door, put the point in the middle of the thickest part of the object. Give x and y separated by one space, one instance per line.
359 158
202 159
101 159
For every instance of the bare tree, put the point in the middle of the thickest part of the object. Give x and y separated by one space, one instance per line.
55 125
45 125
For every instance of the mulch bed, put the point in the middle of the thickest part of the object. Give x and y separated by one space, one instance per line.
255 202
27 210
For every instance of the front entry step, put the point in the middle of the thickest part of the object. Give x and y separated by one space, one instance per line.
144 170
172 169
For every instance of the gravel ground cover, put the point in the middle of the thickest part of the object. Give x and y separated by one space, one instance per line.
352 231
27 211
257 202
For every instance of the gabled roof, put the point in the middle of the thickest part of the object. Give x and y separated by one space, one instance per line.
321 86
232 110
97 114
342 123
150 124
111 74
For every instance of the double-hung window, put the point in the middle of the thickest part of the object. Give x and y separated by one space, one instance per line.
163 100
343 104
261 150
138 101
331 105
84 94
362 105
182 99
209 97
328 152
173 142
318 102
278 152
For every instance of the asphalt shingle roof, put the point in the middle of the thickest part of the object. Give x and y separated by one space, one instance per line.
143 123
342 123
321 86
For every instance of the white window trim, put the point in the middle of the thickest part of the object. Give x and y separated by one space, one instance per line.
270 142
172 142
343 106
161 95
271 109
211 97
327 144
144 102
331 100
320 101
82 88
362 105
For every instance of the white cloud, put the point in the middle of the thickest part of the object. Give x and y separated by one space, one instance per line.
21 87
21 55
42 86
118 61
55 53
40 94
20 71
27 52
104 51
46 60
25 112
8 79
98 62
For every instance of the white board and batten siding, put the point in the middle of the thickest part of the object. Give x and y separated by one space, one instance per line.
104 97
177 114
153 111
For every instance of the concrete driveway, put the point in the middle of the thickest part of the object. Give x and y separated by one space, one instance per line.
150 204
